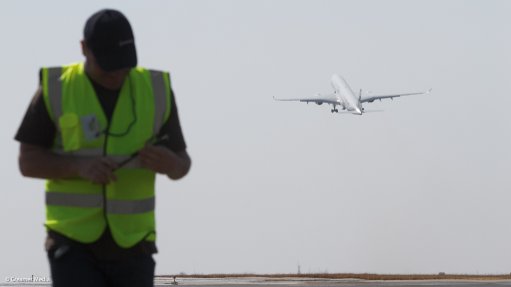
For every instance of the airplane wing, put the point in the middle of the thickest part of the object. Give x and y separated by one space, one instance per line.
371 98
318 99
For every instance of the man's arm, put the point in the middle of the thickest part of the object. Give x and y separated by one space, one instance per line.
163 160
36 135
170 157
40 162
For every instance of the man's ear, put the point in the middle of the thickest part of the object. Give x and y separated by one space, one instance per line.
85 49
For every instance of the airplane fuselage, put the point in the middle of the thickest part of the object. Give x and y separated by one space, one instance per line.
345 95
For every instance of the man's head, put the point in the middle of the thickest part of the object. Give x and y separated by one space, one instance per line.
108 35
109 47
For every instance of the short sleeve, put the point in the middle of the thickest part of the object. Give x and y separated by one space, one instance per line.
37 128
172 128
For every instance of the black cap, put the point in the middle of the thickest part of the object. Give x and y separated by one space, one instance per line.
109 36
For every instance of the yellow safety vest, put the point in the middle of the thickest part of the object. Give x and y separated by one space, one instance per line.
78 208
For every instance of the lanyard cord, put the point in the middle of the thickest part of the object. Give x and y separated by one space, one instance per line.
133 112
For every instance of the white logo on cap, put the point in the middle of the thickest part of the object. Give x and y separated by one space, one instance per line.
126 42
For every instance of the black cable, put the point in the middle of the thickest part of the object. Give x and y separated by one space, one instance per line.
133 112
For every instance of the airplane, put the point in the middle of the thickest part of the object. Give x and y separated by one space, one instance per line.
345 98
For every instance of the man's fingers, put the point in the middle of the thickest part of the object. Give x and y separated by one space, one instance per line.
110 163
149 151
100 175
103 179
155 153
100 170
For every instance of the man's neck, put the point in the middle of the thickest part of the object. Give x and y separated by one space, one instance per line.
101 78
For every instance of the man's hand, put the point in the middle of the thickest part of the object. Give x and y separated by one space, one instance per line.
40 162
98 170
162 160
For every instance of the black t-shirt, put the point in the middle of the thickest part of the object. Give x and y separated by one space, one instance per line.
37 128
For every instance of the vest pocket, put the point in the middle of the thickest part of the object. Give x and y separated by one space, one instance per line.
71 130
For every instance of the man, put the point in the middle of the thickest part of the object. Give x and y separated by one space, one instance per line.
99 131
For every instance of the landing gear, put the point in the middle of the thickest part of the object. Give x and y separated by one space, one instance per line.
334 110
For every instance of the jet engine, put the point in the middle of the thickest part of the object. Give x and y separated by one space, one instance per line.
318 95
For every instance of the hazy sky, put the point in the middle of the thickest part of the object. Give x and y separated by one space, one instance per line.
422 187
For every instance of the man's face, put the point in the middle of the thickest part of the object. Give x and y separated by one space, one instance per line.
111 80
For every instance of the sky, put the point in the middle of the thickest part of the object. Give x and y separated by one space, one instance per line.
422 187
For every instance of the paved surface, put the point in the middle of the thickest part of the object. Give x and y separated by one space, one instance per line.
300 282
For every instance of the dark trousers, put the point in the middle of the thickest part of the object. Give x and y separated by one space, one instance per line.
75 265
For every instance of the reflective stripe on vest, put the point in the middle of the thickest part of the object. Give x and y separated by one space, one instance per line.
55 89
74 200
160 99
130 206
127 161
113 206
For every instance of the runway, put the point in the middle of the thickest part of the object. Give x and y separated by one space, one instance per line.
304 282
